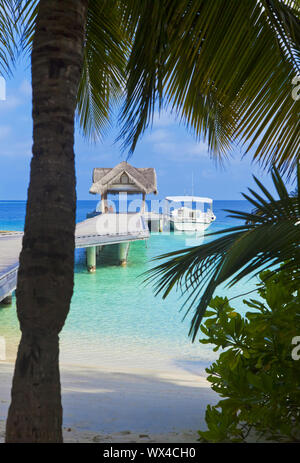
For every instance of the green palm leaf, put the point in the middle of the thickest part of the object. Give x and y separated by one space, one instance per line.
106 50
103 77
8 35
224 67
268 238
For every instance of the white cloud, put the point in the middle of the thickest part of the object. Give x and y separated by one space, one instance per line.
11 102
209 173
157 136
198 148
4 131
16 99
13 150
165 147
163 119
181 151
168 143
25 88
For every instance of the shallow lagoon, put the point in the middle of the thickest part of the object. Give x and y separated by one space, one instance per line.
115 321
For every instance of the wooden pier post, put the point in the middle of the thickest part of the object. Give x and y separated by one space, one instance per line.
144 204
123 253
98 250
161 225
91 259
103 202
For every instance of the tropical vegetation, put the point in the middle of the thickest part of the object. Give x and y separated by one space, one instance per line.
225 69
257 373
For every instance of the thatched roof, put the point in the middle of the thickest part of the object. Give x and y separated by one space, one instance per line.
108 180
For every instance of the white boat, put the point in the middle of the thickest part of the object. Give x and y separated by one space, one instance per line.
188 219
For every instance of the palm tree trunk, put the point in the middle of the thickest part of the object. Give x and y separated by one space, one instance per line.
45 278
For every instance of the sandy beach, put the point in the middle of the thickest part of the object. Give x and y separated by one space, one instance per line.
119 406
73 436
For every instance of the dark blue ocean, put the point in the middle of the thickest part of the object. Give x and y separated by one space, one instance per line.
12 213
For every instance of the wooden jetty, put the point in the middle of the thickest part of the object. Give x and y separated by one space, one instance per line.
10 248
91 234
117 230
103 228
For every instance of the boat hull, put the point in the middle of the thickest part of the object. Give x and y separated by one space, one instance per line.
177 225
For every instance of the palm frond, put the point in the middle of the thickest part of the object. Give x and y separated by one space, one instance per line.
106 51
26 13
268 238
224 68
8 35
103 77
285 21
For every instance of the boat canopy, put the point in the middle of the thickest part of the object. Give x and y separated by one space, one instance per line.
189 199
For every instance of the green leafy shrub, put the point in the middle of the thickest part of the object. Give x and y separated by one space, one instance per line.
255 375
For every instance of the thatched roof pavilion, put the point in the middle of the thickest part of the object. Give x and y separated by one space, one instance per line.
123 178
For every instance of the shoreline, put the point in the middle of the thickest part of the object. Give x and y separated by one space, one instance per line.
125 406
75 436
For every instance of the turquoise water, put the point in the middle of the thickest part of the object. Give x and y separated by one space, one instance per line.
115 321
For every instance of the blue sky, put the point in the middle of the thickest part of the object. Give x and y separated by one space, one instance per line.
168 147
